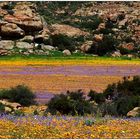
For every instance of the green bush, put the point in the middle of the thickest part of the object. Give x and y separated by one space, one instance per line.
97 97
108 44
118 98
124 51
62 42
124 96
108 108
127 103
73 103
2 108
20 94
19 113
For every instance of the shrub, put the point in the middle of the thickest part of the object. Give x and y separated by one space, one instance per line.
19 113
97 97
20 94
127 103
108 44
110 91
2 108
62 42
124 51
129 87
108 109
118 99
124 96
72 103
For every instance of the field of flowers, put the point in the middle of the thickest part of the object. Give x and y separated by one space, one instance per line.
53 76
67 127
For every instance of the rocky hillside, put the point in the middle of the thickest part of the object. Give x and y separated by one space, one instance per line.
97 28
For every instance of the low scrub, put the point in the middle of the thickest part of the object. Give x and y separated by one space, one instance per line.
20 94
72 103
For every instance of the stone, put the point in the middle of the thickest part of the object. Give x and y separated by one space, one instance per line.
11 30
48 47
30 51
26 53
26 17
134 112
98 37
101 26
122 22
24 45
27 38
8 109
7 44
66 52
86 46
128 46
3 52
67 30
15 106
116 54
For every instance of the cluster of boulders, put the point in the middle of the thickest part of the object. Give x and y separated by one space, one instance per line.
126 18
23 30
135 112
10 107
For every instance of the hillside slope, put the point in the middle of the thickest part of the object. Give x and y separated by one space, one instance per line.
98 28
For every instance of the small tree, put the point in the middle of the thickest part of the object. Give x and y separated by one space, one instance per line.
70 103
97 97
20 94
62 42
108 44
2 108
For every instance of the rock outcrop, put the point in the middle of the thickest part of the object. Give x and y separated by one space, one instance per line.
11 30
28 24
25 17
134 113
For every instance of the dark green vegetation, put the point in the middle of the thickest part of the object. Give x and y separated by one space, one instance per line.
117 100
72 103
20 94
2 108
122 97
107 45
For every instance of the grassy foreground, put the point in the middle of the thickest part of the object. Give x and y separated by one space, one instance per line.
69 60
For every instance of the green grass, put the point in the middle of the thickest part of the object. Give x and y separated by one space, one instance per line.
59 56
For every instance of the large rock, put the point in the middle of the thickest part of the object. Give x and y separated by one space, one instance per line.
7 44
11 30
15 106
101 26
128 46
48 47
116 54
4 53
134 113
122 23
8 109
27 38
98 37
66 52
25 17
86 46
24 45
67 30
